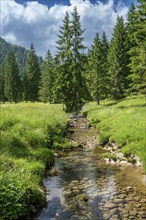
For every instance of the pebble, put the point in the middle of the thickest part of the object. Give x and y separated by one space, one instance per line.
122 196
110 205
106 216
117 201
114 217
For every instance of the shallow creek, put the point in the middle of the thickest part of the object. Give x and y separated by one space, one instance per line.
86 188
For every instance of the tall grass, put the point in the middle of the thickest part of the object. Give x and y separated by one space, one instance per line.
123 122
29 132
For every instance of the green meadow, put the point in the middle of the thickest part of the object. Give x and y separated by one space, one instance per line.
29 132
122 122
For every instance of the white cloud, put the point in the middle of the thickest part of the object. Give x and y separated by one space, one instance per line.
35 22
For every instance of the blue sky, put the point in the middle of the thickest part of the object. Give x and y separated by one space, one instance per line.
50 3
25 22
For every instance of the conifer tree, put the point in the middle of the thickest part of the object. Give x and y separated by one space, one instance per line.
12 82
2 74
131 41
131 26
104 55
32 76
138 51
80 92
118 61
63 84
47 79
97 69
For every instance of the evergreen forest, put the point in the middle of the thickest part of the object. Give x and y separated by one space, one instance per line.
89 164
75 75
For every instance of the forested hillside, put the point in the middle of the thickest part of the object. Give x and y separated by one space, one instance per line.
19 52
111 69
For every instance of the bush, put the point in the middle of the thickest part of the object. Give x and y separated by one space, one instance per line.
17 194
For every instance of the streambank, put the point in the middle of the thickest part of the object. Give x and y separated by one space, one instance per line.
85 187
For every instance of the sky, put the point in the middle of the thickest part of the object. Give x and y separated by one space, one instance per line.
24 21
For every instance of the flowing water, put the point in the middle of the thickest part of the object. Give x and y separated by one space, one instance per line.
85 188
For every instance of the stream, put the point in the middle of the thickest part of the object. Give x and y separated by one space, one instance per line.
85 187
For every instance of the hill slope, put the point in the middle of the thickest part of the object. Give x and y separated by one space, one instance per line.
20 53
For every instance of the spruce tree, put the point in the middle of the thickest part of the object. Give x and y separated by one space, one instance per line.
12 82
138 51
80 92
97 69
104 55
131 41
2 74
47 79
32 76
131 26
62 89
118 61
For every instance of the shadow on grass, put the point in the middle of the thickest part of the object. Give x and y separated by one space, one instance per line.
132 106
19 152
115 102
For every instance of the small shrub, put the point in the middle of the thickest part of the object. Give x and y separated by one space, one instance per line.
17 194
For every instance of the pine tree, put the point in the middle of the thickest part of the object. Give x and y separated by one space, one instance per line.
2 74
138 51
47 79
118 61
12 82
32 76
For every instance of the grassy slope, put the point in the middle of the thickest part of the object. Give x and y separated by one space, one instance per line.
123 122
28 131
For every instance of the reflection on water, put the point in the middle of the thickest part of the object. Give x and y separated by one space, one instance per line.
92 180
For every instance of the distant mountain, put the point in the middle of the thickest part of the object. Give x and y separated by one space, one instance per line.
20 54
